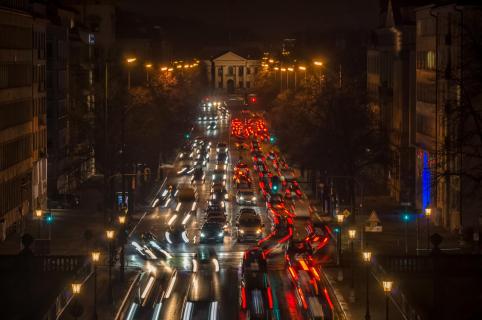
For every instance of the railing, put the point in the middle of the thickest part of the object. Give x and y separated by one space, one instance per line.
16 263
82 274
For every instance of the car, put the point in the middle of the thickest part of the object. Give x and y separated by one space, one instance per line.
218 191
219 176
221 166
222 158
246 197
205 259
176 232
200 309
212 126
222 147
249 226
198 176
184 169
218 218
256 294
275 201
144 251
215 208
212 232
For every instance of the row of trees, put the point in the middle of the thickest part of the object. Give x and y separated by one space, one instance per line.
327 130
156 115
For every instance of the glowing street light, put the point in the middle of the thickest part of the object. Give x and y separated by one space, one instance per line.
367 256
76 287
95 261
303 68
428 213
318 63
110 237
387 288
122 219
352 236
130 61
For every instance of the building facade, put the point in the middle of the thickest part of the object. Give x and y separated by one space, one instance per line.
231 73
444 51
70 101
22 115
391 90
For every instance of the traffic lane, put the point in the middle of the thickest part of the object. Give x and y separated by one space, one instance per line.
172 307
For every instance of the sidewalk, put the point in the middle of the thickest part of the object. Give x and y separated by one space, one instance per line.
105 309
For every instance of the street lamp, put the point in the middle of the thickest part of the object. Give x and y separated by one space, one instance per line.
303 68
292 70
319 64
110 237
281 78
76 287
339 218
38 214
428 213
122 222
95 261
129 62
387 288
148 66
352 236
367 256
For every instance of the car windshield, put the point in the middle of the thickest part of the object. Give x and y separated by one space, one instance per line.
249 221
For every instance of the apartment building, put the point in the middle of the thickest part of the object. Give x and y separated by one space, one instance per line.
446 47
22 115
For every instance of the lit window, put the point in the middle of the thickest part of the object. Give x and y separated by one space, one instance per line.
431 60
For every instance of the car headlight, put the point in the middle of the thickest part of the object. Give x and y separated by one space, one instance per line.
253 199
226 197
241 231
258 231
224 177
202 235
241 198
221 234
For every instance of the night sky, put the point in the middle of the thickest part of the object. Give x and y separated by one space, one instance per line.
267 18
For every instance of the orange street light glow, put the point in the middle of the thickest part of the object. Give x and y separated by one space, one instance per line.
318 63
130 60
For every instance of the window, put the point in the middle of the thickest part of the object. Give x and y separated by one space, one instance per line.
241 70
14 151
15 75
220 84
220 71
426 92
240 84
424 125
15 113
426 60
248 84
230 70
426 27
431 60
248 70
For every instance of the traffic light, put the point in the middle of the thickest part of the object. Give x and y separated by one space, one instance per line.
187 135
336 229
253 99
272 139
49 218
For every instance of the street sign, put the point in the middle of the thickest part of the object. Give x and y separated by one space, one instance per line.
373 223
346 213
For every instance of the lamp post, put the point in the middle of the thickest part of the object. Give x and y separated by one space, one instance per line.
319 64
303 68
148 66
129 61
367 256
276 69
291 70
95 261
38 215
110 238
387 288
428 213
339 218
352 236
281 78
122 222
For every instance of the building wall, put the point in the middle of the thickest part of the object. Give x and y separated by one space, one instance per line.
16 118
230 68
